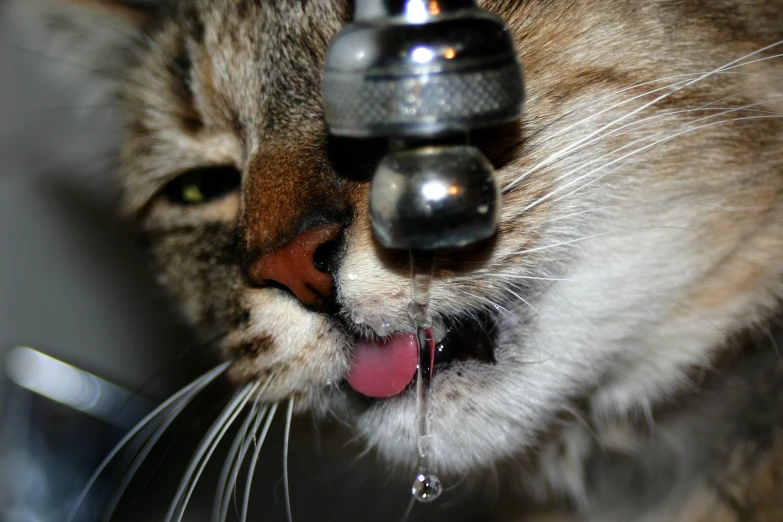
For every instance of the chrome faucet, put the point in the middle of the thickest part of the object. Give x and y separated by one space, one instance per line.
423 74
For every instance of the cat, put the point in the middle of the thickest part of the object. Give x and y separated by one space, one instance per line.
610 354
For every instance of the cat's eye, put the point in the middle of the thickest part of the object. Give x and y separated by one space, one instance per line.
202 185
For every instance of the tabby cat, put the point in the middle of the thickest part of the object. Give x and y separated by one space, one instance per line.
609 355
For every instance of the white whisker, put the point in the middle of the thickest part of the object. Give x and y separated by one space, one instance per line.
648 122
286 438
139 460
684 85
662 201
491 304
593 236
594 102
723 111
228 485
408 509
538 313
207 446
223 491
635 126
610 285
254 460
644 148
633 153
184 394
237 467
572 147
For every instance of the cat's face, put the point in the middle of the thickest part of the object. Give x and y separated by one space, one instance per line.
640 224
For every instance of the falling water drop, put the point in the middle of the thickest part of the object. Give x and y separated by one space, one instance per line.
383 330
426 486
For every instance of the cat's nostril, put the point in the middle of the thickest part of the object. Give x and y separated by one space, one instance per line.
325 255
301 265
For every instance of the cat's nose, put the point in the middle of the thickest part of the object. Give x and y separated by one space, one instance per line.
295 266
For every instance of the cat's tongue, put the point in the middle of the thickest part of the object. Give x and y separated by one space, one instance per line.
384 370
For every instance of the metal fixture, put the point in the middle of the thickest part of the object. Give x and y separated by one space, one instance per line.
423 74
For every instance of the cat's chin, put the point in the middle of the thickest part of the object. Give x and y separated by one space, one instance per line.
464 359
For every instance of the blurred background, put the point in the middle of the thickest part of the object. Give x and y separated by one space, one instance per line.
88 345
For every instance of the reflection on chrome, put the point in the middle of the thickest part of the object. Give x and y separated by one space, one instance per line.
56 423
66 384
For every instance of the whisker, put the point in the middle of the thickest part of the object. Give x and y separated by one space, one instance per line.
576 308
207 446
635 126
355 440
254 460
648 121
195 386
286 438
491 305
757 60
248 442
610 285
645 147
139 460
600 234
772 341
573 147
663 201
644 138
230 487
567 149
223 491
633 153
607 109
538 313
408 509
612 94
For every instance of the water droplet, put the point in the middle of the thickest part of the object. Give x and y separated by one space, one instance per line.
357 318
327 382
426 487
439 329
353 277
383 330
424 443
418 314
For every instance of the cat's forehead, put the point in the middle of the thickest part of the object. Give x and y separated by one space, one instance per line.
276 22
257 56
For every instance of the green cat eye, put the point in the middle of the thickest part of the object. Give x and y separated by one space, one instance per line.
202 185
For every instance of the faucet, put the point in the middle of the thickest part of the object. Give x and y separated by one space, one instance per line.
423 74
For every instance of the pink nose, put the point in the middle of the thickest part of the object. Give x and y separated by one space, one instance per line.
293 265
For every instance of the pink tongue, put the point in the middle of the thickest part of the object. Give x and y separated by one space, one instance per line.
384 370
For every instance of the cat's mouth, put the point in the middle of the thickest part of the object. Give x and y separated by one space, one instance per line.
386 366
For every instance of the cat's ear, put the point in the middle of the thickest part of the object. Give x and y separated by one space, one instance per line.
89 40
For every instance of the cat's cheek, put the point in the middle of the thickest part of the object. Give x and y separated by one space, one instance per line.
290 351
